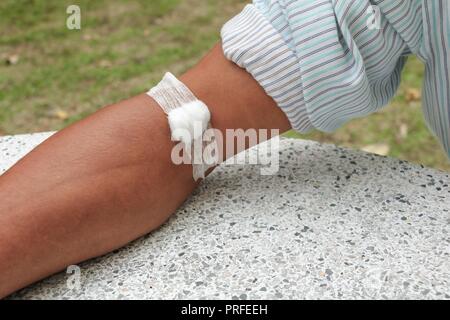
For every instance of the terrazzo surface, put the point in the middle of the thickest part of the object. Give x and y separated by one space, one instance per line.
331 224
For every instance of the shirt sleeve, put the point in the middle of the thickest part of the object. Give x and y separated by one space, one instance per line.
435 53
327 62
252 42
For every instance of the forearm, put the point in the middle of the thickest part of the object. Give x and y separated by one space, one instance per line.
87 190
109 179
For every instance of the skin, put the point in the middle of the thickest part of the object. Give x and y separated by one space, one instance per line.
109 179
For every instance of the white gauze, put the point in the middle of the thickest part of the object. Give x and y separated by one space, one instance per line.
188 118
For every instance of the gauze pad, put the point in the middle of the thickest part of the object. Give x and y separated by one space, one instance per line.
185 117
188 119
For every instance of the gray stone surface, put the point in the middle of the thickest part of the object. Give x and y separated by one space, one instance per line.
333 223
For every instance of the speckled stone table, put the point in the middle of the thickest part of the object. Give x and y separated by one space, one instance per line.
333 223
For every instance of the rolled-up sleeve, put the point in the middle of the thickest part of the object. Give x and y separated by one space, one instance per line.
325 62
252 42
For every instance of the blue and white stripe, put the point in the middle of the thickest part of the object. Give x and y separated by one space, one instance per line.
323 64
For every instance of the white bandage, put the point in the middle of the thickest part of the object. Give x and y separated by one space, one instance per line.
188 118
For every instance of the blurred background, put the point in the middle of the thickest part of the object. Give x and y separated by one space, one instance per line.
51 76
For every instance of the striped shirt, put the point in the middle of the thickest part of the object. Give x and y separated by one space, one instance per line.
325 62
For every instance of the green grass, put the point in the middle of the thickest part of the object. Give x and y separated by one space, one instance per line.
124 47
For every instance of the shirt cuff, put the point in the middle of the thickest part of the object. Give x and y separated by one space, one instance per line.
250 41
